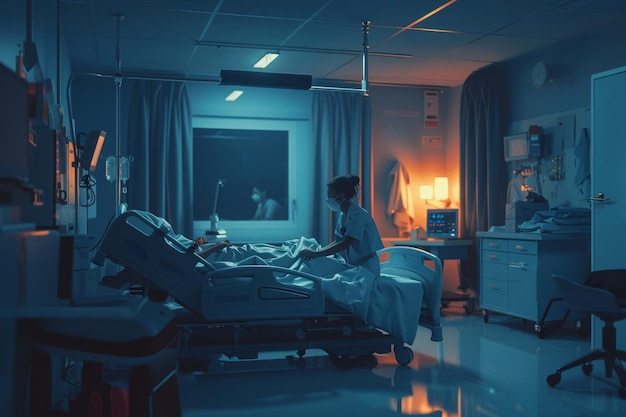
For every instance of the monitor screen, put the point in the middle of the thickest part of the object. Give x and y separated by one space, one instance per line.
516 147
14 128
442 223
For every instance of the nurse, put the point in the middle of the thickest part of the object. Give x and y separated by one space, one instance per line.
356 236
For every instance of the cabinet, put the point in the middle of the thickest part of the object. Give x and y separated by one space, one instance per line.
516 271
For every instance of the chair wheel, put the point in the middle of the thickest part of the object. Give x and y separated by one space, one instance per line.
554 379
587 368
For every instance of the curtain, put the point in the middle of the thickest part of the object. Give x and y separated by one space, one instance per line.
160 140
483 170
340 128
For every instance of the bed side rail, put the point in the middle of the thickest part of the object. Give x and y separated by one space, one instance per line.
249 292
416 263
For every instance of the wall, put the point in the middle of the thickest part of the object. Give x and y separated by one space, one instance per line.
397 136
565 98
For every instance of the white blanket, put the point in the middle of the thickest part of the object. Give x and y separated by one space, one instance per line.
389 303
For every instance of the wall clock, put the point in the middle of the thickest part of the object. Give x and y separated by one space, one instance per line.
540 74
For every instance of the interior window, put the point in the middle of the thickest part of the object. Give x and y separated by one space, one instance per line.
236 158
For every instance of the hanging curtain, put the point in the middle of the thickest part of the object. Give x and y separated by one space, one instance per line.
483 170
160 139
340 128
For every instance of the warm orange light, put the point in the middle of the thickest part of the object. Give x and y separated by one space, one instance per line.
441 188
426 192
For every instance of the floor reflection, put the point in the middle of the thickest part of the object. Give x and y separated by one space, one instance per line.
480 370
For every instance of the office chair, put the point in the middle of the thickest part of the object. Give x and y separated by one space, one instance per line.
605 305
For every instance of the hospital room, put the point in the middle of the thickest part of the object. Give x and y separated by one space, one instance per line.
321 207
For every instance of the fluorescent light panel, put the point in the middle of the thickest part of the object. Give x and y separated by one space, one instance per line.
234 95
266 60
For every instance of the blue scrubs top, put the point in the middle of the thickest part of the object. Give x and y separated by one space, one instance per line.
359 225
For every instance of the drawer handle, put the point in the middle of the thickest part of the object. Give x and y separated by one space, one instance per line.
494 287
494 245
494 257
519 265
521 248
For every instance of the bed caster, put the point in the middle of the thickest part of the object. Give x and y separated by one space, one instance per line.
403 354
542 331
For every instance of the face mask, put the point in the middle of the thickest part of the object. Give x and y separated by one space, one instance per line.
256 198
333 204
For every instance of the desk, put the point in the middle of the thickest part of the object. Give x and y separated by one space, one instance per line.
445 249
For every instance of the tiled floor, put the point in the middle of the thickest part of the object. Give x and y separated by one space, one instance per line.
480 369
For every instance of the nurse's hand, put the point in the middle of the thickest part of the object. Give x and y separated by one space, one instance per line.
308 254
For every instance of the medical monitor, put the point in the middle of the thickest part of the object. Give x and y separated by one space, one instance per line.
14 128
442 223
516 147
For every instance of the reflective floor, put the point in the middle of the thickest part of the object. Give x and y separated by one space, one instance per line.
480 369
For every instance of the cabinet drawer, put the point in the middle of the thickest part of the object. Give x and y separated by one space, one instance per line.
494 294
495 256
494 271
523 246
495 244
520 261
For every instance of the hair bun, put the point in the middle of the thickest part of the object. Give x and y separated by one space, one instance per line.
354 180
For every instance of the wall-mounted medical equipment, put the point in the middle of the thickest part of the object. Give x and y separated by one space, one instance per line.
524 145
516 147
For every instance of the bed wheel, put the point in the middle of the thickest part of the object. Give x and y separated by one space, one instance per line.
404 355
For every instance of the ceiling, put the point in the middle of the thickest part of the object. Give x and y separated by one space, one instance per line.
411 42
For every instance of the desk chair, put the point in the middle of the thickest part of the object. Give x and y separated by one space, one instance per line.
605 305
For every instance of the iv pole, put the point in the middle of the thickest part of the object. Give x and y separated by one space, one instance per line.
120 206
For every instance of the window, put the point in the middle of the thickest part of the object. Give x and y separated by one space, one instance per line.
233 156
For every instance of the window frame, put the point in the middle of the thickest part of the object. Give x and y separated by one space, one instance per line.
299 210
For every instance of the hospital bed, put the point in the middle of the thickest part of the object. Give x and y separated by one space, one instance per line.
241 310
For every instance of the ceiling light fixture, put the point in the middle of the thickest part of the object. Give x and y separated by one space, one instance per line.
266 60
234 95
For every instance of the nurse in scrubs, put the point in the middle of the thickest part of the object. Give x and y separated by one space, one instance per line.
356 236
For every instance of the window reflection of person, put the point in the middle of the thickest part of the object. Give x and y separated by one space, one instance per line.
266 208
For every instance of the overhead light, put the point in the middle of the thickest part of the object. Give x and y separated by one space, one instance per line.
266 60
234 95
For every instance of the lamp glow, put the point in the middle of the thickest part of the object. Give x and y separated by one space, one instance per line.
91 152
234 95
426 192
441 188
266 60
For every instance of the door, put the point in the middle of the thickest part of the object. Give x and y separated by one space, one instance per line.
608 150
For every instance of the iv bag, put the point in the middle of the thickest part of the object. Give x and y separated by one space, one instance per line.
111 168
124 168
